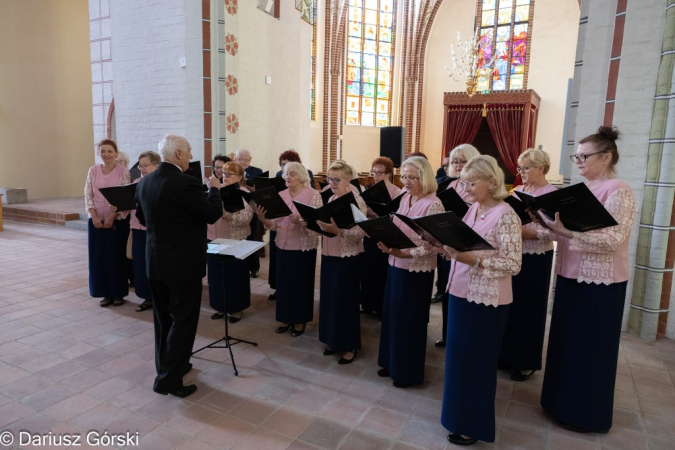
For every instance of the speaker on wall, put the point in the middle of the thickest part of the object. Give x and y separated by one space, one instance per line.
392 144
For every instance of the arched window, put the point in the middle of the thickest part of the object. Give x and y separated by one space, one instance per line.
505 27
370 54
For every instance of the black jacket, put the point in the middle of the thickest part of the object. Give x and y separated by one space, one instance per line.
175 211
251 172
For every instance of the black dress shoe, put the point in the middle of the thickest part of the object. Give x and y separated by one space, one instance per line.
402 385
383 373
344 360
440 343
283 329
234 319
107 301
458 439
517 375
295 332
255 274
437 298
180 392
578 429
272 296
328 352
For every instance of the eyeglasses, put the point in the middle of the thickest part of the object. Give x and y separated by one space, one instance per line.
523 169
468 184
333 180
377 173
456 162
582 158
229 174
146 166
243 159
218 167
406 178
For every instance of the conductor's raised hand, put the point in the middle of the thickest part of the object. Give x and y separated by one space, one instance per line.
215 182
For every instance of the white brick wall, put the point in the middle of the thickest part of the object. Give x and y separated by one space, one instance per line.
153 94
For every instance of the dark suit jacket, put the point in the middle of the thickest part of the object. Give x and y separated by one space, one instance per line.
311 178
251 172
440 173
175 211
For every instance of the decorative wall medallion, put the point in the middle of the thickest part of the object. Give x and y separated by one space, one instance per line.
232 123
231 44
231 85
231 6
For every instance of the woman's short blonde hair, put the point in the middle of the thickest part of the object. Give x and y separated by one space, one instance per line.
236 169
341 166
537 157
426 173
299 169
467 151
485 167
153 157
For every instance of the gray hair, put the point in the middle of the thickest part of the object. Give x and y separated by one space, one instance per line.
299 169
167 147
122 158
467 151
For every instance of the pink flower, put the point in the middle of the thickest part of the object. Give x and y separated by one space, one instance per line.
231 45
231 85
231 6
232 123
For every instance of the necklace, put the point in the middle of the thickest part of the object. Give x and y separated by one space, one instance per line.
481 211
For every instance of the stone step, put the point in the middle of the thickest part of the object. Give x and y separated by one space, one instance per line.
79 224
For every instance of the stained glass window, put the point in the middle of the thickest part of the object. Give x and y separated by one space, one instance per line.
370 54
504 34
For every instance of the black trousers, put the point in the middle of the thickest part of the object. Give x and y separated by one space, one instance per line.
176 313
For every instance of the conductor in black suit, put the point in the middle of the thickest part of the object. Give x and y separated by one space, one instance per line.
243 157
175 211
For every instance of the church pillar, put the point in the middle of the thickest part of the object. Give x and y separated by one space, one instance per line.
655 258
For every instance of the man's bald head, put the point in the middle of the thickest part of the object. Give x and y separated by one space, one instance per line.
243 157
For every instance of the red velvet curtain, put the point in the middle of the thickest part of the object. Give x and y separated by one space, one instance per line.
506 126
462 127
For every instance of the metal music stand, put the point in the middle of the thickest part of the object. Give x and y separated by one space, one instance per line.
229 340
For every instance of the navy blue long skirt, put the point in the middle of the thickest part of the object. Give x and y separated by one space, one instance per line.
141 283
237 284
403 336
444 266
472 349
108 259
272 271
583 349
374 276
295 285
524 336
339 316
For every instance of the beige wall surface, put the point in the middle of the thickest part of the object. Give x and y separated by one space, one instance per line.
46 125
554 37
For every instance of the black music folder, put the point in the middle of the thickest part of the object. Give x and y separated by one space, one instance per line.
383 230
233 198
123 197
579 209
135 172
520 208
263 182
274 205
326 195
453 202
251 182
195 170
339 210
355 182
384 209
443 185
377 193
446 229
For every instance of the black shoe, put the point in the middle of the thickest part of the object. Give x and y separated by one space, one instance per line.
143 306
283 329
234 319
517 375
577 429
437 298
217 315
181 392
440 343
344 360
272 296
118 302
295 332
107 301
457 439
255 274
328 352
383 373
402 385
188 368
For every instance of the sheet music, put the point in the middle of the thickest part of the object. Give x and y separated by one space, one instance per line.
358 215
233 247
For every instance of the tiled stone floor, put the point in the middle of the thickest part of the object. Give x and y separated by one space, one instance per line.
69 366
